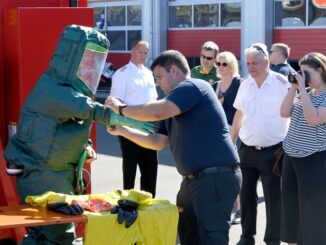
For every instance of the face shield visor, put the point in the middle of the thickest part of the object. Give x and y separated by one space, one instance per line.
91 65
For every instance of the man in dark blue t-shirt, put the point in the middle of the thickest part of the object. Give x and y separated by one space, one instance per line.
278 57
194 123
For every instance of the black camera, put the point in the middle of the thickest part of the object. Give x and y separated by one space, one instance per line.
292 79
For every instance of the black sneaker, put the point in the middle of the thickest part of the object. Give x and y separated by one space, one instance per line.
247 241
13 169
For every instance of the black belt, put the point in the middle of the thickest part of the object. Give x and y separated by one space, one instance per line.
263 148
211 170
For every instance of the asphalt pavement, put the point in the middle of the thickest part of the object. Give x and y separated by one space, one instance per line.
107 176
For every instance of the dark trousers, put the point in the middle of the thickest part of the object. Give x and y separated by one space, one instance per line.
146 159
207 202
255 164
304 199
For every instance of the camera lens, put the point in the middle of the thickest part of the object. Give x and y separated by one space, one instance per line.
292 79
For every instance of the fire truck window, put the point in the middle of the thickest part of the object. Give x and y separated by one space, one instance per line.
317 14
231 14
134 15
206 15
116 16
117 40
180 16
290 13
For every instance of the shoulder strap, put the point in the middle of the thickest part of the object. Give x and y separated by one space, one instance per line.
218 90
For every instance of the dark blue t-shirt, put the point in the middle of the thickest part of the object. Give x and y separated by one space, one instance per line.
199 137
284 69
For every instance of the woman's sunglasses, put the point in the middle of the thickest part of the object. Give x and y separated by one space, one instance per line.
221 64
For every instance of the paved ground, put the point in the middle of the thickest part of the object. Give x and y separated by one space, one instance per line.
107 176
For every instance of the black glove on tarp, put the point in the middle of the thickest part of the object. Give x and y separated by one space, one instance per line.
63 207
127 211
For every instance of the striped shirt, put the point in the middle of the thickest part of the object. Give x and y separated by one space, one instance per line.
303 139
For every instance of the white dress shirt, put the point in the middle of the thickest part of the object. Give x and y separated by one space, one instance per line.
262 123
133 86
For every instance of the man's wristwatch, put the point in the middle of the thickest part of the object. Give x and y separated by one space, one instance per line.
121 108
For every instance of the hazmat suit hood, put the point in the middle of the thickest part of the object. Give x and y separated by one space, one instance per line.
79 58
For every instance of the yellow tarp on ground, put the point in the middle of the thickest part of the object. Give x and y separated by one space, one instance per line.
156 223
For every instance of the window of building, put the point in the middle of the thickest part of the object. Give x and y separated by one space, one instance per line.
116 16
180 16
299 13
120 21
134 15
99 18
206 14
117 40
231 14
317 13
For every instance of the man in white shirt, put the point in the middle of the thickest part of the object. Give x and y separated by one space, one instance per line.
261 129
134 84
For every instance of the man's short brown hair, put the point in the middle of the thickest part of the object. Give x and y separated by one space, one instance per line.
210 45
283 48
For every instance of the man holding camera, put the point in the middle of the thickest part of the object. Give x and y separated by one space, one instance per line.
261 130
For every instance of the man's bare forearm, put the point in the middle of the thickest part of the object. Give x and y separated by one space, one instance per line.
237 121
150 141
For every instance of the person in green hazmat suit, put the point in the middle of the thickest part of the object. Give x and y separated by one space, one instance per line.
55 123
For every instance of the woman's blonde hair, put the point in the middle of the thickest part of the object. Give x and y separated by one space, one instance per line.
231 60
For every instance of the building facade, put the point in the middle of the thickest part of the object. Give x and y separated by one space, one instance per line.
233 24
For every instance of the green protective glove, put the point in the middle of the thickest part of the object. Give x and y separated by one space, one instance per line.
118 120
79 188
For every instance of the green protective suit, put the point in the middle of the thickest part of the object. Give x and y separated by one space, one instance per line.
55 123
